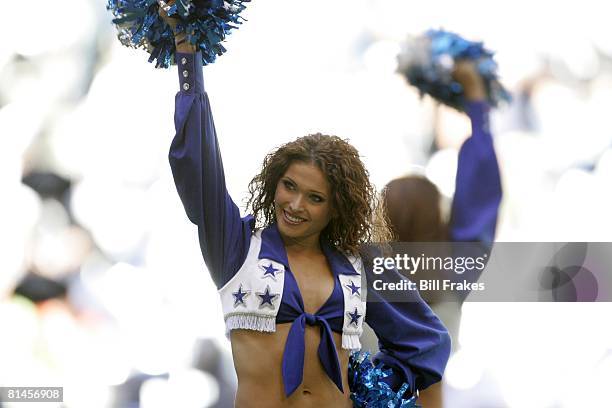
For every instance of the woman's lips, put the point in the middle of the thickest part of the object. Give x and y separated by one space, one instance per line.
292 219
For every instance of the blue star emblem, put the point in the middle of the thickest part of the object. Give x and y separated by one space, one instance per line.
354 288
267 298
354 317
270 270
239 296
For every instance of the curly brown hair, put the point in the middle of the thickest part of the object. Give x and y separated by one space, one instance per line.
359 216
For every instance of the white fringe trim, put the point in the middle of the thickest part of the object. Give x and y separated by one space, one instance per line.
351 341
250 322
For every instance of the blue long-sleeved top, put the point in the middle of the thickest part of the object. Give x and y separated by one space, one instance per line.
478 194
413 340
478 189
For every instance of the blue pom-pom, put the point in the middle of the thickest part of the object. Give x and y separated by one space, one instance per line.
205 22
427 63
368 390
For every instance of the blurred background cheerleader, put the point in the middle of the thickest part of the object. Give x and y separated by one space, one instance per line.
415 205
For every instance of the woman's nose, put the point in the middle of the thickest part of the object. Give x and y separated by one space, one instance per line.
296 203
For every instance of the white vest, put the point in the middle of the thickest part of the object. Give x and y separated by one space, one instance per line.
251 299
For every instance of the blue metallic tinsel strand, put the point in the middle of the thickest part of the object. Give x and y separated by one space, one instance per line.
368 390
427 62
205 22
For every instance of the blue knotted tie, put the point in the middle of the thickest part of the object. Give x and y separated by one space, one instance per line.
293 356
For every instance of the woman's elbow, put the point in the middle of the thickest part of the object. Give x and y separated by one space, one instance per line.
440 356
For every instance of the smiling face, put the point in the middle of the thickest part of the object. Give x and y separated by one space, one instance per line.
317 184
302 203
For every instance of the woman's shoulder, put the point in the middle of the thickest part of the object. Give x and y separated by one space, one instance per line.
369 252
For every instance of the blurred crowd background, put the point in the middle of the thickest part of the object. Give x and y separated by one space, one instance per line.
102 285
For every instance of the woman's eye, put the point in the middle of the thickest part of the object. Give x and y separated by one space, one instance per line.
288 185
316 198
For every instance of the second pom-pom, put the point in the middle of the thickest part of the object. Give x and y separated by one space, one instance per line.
427 62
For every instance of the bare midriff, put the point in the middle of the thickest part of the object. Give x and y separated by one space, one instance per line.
258 361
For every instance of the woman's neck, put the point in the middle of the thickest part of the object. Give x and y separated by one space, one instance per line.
302 247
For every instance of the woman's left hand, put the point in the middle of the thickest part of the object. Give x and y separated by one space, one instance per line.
181 43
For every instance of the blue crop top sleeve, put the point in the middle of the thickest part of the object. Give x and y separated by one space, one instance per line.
197 169
478 189
413 342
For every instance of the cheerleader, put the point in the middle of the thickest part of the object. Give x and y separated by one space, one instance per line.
292 277
413 202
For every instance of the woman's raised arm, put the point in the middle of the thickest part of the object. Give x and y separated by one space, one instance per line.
197 168
478 190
